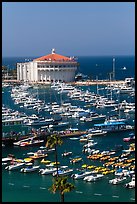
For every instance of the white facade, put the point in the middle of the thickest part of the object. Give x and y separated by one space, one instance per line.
47 70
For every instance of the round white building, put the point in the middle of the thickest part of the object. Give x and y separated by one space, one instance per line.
49 68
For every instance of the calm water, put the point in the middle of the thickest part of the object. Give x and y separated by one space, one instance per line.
17 186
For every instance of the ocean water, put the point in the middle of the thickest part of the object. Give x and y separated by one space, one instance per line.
92 65
33 187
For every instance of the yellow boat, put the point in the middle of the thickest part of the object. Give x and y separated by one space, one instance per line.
106 172
19 160
45 161
91 167
54 163
75 160
28 159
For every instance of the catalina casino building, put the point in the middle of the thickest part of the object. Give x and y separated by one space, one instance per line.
49 68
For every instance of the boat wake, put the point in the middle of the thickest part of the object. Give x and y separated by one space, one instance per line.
79 192
26 186
42 188
98 194
12 184
115 196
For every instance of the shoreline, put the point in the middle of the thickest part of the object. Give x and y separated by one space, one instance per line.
84 83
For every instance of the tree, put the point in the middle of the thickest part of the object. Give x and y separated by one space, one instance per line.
53 141
60 184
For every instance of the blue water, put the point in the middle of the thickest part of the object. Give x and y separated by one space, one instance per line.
92 66
21 187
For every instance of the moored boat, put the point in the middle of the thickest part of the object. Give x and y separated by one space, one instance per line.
66 154
63 171
15 166
30 168
117 180
48 170
93 177
131 184
81 175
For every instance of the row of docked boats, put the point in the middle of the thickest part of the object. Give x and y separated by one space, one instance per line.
92 173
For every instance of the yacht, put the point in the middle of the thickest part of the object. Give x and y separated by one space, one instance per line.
30 168
124 172
59 124
117 180
13 121
96 132
48 170
63 171
93 177
126 89
81 175
131 184
38 121
15 166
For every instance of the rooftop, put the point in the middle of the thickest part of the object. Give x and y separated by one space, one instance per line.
54 57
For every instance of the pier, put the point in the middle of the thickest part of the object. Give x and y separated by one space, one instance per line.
79 83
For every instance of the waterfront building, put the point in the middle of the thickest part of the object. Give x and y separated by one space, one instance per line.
48 68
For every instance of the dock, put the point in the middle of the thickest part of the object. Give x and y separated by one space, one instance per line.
76 83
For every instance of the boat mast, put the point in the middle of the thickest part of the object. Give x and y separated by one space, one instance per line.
113 69
97 83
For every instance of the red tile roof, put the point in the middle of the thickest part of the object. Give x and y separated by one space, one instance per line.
53 57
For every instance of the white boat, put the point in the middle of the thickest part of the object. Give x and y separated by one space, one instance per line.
81 175
48 170
6 159
66 154
93 177
12 121
124 172
90 144
126 89
131 184
38 121
117 180
124 68
15 166
63 172
96 132
59 124
74 138
30 168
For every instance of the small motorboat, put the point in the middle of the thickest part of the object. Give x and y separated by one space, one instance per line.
63 171
30 168
15 166
81 175
38 155
75 160
131 184
31 143
123 68
128 139
66 154
117 180
93 177
48 170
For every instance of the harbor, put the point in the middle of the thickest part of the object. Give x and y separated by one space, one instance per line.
87 117
68 102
